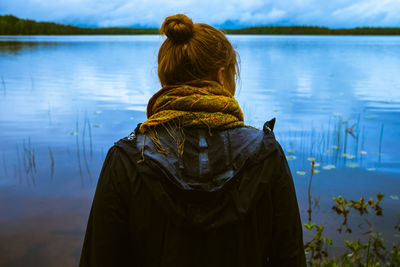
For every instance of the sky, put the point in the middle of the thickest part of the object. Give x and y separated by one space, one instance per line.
224 13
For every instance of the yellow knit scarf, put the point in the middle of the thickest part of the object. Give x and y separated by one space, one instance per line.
198 104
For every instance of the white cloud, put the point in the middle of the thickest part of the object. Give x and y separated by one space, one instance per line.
370 13
338 13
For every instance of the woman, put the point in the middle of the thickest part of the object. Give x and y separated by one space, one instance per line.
193 185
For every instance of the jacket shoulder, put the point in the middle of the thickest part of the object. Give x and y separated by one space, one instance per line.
258 143
128 144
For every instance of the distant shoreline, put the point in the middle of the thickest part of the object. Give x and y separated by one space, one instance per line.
11 25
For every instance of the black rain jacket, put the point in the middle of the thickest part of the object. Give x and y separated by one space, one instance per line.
229 201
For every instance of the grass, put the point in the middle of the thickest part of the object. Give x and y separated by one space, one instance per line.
342 142
309 211
51 163
29 160
90 138
84 145
25 165
19 164
77 148
380 142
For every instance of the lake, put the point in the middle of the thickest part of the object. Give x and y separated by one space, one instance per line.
64 101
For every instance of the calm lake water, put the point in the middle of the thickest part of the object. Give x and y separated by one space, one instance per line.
65 100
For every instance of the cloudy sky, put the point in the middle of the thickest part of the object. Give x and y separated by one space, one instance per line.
224 13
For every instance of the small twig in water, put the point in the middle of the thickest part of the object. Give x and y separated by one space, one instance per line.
90 139
77 149
19 164
309 211
84 146
380 142
51 163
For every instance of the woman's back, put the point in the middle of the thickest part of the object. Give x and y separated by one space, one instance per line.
228 201
195 186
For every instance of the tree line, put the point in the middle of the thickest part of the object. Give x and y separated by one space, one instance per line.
314 30
11 25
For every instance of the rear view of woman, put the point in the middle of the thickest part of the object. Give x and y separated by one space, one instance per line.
193 185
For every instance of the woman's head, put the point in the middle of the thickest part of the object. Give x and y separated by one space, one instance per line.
195 51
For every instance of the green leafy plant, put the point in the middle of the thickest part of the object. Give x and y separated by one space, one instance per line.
343 207
372 253
317 248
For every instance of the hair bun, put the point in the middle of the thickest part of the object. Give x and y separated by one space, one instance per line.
179 28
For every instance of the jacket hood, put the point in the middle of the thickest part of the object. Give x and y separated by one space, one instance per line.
209 185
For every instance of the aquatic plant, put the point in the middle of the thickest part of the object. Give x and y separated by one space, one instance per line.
78 154
84 145
90 139
309 210
339 144
358 253
19 164
317 248
51 163
380 142
29 160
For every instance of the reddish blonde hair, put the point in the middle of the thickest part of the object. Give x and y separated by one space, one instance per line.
195 51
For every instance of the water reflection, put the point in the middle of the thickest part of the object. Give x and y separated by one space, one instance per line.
15 47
